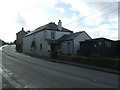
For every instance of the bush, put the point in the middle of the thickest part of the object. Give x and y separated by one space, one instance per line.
94 61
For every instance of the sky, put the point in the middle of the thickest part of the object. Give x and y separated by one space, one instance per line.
99 18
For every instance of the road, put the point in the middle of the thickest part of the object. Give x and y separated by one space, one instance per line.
30 72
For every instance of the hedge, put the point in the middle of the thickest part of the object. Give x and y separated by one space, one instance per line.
94 61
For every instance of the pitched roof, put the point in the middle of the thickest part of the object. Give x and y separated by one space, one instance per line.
49 26
21 31
102 38
97 39
70 36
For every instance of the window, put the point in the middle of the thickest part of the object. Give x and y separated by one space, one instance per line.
68 43
53 34
95 45
40 46
108 44
68 48
34 36
100 43
33 44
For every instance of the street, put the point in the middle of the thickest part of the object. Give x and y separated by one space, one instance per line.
30 72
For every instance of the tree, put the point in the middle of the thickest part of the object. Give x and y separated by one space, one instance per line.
15 42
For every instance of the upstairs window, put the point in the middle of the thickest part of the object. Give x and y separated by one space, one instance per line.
52 34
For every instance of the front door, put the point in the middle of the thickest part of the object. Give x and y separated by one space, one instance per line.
69 48
54 50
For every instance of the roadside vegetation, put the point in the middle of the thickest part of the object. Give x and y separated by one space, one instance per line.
3 42
104 62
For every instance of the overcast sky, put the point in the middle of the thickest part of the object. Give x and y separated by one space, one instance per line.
98 18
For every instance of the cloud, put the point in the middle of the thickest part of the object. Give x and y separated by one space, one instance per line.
79 6
101 16
101 31
34 13
20 19
93 10
62 10
67 22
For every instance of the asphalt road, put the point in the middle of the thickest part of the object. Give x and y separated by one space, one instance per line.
30 72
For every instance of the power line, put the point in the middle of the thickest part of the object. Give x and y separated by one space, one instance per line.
92 13
99 16
102 15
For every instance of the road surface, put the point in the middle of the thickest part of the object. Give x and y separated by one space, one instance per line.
30 72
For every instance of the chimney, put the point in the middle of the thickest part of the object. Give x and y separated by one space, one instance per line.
22 29
60 25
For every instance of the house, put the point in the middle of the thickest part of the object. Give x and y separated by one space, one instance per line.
97 47
70 43
43 41
19 40
50 39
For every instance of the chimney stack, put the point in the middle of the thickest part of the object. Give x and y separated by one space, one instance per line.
60 25
22 29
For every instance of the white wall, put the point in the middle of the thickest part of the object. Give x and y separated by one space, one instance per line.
39 39
64 47
58 34
27 44
74 44
82 37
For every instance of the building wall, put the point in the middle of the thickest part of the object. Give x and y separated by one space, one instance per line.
117 48
41 47
97 48
19 42
0 42
20 36
67 47
39 39
57 34
82 37
74 44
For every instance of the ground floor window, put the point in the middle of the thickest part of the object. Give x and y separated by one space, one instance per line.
40 46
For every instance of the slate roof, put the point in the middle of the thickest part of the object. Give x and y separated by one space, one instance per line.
98 39
49 26
101 38
21 31
70 36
